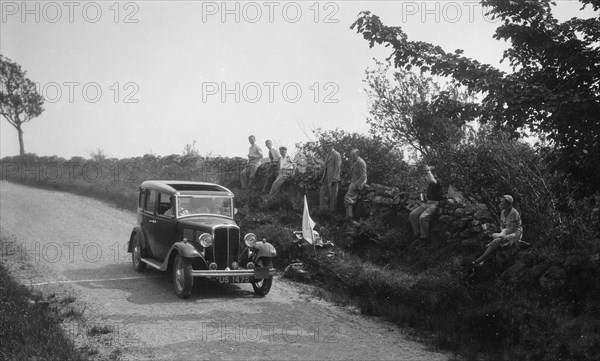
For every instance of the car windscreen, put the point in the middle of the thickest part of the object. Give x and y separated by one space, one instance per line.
190 205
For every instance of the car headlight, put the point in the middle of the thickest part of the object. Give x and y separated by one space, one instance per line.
250 239
205 240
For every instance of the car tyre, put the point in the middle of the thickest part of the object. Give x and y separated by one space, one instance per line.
136 254
183 281
263 286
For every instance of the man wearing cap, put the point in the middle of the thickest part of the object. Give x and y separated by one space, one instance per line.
286 169
511 230
330 180
358 178
273 165
254 157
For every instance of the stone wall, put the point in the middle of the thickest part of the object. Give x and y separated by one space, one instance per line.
458 220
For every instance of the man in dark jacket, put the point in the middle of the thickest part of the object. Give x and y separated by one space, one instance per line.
420 216
330 181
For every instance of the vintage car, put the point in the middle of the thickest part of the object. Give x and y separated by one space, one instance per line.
188 228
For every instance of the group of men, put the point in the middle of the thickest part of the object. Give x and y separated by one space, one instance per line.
281 167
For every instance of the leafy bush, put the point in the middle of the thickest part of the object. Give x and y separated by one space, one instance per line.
490 164
384 164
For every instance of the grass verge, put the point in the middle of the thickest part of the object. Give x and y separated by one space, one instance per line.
29 329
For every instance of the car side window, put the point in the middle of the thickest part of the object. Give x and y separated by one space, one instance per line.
141 198
165 206
150 200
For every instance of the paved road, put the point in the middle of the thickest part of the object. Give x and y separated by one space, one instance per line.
73 244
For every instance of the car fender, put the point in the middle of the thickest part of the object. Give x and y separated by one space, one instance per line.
185 249
264 250
137 230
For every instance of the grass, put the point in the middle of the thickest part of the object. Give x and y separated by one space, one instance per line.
503 316
29 329
43 326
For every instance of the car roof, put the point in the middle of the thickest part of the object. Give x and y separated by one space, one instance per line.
187 187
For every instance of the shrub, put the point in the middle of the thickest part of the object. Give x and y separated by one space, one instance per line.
384 164
490 164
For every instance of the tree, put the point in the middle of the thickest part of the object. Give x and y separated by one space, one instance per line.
554 89
19 99
414 111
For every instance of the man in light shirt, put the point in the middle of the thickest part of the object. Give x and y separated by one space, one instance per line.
254 157
358 178
273 165
286 169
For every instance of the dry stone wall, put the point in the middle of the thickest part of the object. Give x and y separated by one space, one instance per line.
458 220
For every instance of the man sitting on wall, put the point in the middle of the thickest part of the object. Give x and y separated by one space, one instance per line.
421 216
286 169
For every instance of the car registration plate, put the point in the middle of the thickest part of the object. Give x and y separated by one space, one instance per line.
233 279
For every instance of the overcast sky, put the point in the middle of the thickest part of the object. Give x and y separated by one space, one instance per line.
140 77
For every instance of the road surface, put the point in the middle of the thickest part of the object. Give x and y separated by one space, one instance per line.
72 246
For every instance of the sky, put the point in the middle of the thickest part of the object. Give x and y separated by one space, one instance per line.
149 77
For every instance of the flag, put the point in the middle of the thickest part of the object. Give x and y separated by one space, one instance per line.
307 224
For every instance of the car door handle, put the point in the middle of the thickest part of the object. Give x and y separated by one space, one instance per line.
152 221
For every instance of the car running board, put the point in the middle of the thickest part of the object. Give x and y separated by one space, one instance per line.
154 263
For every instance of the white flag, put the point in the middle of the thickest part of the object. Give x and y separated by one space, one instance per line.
307 224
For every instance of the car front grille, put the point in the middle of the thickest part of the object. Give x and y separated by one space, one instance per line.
226 246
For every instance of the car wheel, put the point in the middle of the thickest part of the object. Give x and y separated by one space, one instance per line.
183 281
263 286
136 254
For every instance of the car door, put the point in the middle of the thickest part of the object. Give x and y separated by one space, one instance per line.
165 227
148 222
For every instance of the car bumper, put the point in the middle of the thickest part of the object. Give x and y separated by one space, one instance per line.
239 272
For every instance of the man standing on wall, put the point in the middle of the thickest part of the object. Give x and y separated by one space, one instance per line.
358 178
273 165
254 157
331 178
